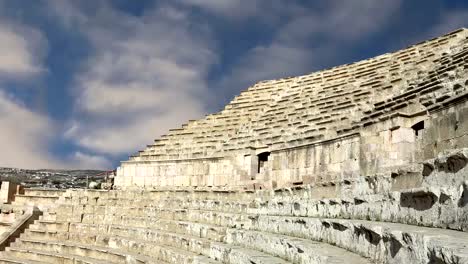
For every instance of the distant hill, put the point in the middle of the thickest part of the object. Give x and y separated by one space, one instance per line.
45 178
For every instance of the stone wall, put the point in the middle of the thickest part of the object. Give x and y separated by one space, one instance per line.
330 161
193 172
8 191
376 148
448 130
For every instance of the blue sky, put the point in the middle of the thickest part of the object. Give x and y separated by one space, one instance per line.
84 84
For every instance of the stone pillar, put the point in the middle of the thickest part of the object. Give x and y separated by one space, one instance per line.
8 191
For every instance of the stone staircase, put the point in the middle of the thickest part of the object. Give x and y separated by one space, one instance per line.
373 220
13 221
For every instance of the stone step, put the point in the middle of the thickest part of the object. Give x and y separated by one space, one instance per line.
74 250
293 249
171 247
391 208
42 201
193 200
403 207
315 252
231 254
43 192
379 241
202 230
39 256
154 198
440 208
141 239
50 225
241 255
12 260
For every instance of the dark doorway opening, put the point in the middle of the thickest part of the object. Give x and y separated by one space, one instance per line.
262 159
418 127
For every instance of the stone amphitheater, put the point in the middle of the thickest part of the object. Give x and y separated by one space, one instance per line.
360 163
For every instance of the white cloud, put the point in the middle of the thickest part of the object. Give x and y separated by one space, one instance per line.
22 49
86 161
24 136
146 75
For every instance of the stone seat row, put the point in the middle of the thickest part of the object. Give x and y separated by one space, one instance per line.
386 86
294 249
292 224
378 241
188 136
423 51
245 220
228 114
121 249
426 207
156 224
283 215
166 145
439 206
391 108
41 243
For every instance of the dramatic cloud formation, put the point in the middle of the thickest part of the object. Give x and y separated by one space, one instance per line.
26 133
143 77
140 83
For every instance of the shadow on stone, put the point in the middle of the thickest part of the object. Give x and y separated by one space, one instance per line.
453 164
297 206
444 198
394 245
300 221
338 226
456 162
358 201
421 200
370 235
433 259
427 169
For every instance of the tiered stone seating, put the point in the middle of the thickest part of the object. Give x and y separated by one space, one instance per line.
300 110
318 104
373 220
200 138
13 221
429 94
